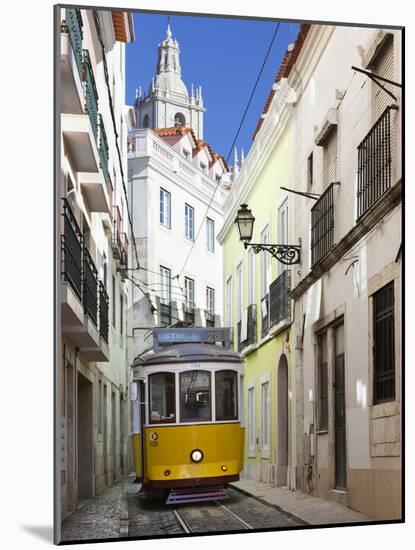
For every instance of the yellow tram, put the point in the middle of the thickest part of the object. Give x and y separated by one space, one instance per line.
188 432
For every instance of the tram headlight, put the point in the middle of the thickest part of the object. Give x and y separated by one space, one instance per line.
196 455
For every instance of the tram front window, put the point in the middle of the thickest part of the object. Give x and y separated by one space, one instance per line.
195 402
162 398
226 395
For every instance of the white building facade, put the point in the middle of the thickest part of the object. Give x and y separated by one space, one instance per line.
93 372
177 192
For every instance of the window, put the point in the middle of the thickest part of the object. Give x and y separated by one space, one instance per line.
282 229
165 208
121 313
251 422
114 311
229 302
239 292
384 344
323 382
330 158
383 66
210 229
189 291
162 397
186 154
189 222
226 395
265 414
251 277
146 121
203 167
179 119
218 178
264 263
310 172
210 307
195 392
165 298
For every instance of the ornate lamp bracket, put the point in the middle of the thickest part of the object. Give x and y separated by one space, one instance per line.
287 254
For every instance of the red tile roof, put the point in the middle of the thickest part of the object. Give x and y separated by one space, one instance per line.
199 143
287 63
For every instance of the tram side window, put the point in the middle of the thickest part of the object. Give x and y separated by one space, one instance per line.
162 398
226 395
195 402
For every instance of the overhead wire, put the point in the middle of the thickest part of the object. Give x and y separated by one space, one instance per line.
233 144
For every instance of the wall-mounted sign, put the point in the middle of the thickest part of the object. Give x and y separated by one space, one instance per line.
168 336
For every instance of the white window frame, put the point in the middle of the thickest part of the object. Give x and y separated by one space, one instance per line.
189 292
239 291
266 417
165 211
165 291
210 234
251 406
189 222
210 299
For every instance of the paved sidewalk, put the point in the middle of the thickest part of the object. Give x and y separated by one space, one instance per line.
311 510
101 517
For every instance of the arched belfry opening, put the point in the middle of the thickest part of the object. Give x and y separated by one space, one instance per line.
146 121
179 119
282 434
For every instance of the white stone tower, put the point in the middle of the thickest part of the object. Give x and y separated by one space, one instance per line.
167 103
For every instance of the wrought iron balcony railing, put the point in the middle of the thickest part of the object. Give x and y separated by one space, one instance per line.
165 313
374 172
265 316
71 244
124 250
90 91
73 24
323 225
103 150
116 234
189 314
103 312
279 301
210 318
90 287
251 332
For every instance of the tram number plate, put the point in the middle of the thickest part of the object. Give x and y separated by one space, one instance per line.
154 443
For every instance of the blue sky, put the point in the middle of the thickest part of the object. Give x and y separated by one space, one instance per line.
224 56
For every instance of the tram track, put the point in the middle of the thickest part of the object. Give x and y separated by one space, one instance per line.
211 519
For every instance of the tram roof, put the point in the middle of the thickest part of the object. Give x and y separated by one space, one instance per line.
187 353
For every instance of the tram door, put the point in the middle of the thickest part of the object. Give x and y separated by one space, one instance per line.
137 430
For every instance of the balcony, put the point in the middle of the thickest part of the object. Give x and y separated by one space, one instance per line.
323 225
279 301
71 95
116 243
90 92
374 173
165 313
251 328
264 316
90 288
71 268
103 312
95 191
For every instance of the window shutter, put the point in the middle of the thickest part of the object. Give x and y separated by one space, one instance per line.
330 159
384 68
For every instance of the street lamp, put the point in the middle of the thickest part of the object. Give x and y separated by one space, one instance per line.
285 253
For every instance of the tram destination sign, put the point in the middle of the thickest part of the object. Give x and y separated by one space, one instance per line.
168 336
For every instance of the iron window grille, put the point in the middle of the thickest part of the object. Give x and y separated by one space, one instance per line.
323 225
90 287
103 312
384 344
279 301
374 172
71 244
265 316
103 150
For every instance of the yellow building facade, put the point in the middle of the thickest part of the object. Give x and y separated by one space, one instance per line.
256 297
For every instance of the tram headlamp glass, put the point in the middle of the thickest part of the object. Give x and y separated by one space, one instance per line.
196 455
